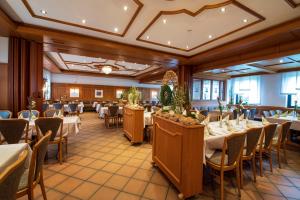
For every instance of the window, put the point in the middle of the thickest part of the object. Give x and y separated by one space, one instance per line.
290 85
247 88
74 92
215 90
119 94
154 95
197 90
206 90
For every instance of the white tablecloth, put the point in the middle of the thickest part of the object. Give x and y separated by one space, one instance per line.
295 121
215 139
71 124
148 119
104 110
66 107
9 153
98 106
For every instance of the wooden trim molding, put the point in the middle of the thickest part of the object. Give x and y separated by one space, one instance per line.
259 17
292 3
34 15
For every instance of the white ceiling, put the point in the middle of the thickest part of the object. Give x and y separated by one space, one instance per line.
71 62
105 16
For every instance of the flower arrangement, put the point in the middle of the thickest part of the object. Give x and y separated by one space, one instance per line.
220 106
133 98
166 95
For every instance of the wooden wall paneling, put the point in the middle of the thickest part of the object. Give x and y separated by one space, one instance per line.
4 86
7 25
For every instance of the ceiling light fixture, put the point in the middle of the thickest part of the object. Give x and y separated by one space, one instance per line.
147 37
245 20
164 21
125 8
116 29
83 21
281 60
223 10
106 69
187 46
169 42
210 36
44 12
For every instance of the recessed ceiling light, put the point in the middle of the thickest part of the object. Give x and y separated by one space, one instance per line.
187 46
223 10
164 21
281 61
210 36
44 12
116 29
83 21
245 20
147 37
125 8
169 42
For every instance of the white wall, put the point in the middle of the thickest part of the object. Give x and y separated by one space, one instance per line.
3 49
270 90
79 79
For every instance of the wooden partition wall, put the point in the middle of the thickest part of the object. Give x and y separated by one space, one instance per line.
87 92
4 86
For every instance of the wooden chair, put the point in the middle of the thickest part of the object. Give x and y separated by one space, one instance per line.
280 142
45 106
34 175
272 112
228 159
58 106
266 113
55 125
51 112
5 114
252 138
265 145
111 115
10 178
26 113
12 130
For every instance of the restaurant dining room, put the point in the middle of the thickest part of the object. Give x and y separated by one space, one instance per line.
149 99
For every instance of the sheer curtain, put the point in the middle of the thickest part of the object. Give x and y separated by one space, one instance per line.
290 83
248 88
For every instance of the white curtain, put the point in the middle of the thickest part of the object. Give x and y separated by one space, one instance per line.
248 88
290 83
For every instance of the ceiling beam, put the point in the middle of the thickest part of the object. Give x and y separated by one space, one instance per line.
50 65
7 25
83 73
264 69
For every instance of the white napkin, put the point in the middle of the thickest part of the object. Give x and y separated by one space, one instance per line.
264 121
21 116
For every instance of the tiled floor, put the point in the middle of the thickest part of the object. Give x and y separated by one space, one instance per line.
102 164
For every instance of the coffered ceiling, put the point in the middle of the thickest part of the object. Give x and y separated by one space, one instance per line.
184 27
75 63
282 64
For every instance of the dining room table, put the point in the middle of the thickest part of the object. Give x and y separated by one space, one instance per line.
104 110
9 153
281 119
66 107
215 133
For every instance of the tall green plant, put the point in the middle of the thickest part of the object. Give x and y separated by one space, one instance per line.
179 99
166 95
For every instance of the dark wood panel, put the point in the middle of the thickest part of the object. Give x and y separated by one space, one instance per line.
87 92
4 86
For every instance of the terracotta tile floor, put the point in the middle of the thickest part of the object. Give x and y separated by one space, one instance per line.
102 164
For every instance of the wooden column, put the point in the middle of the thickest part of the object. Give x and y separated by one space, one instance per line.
185 78
25 72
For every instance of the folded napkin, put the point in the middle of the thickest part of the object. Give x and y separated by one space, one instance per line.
242 117
285 114
226 119
276 116
55 115
264 121
33 116
21 116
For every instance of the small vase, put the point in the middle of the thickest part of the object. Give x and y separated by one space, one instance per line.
221 122
237 119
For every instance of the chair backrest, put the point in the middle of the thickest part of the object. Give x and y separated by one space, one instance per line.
57 106
235 114
43 125
5 114
113 111
266 113
284 132
10 178
73 107
245 112
38 157
234 145
45 107
51 112
272 112
13 129
252 138
204 112
26 113
252 113
279 112
269 132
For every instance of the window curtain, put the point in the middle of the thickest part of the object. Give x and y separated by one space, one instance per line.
290 83
248 88
25 73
